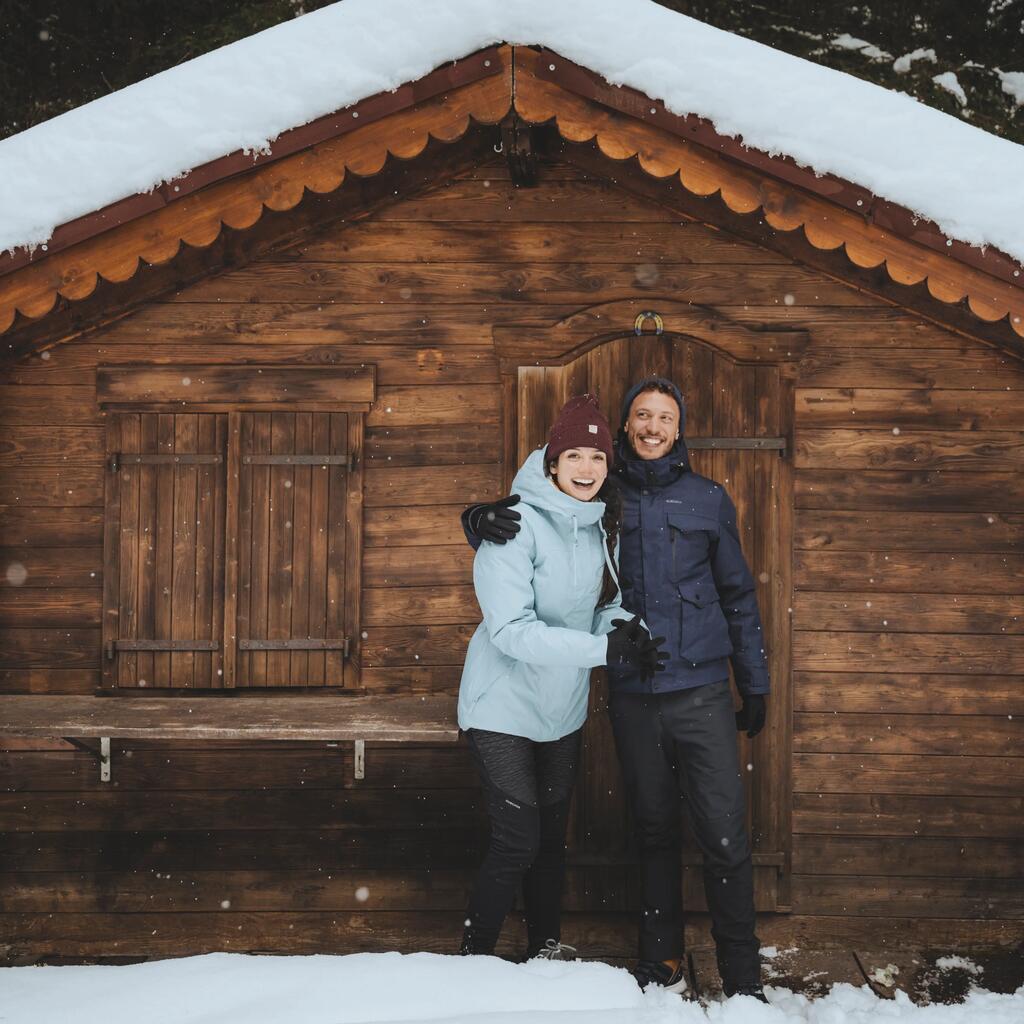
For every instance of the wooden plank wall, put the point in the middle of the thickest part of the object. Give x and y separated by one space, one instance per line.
908 614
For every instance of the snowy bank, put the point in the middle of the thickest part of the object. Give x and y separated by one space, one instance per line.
232 988
244 95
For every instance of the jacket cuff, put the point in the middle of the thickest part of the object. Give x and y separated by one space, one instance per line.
469 520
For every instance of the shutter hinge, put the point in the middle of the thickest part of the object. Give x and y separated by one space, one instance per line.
351 461
110 650
346 651
114 462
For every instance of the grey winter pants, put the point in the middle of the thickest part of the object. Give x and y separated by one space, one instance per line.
676 746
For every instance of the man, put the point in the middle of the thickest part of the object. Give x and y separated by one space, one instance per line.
682 569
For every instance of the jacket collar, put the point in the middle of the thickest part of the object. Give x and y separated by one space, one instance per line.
650 472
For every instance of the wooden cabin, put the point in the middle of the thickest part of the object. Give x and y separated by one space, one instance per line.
240 419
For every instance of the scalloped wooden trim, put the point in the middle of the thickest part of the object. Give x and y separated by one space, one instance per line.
239 202
785 207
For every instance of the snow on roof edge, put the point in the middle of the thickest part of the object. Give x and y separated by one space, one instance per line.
242 96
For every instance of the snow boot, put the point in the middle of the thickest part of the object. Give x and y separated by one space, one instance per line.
669 975
754 991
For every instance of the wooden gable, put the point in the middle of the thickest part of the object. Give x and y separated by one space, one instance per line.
832 223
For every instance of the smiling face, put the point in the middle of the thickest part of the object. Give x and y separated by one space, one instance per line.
653 424
580 472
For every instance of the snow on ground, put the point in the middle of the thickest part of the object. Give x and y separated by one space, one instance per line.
232 988
245 94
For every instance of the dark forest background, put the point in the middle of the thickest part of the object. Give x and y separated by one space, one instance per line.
59 54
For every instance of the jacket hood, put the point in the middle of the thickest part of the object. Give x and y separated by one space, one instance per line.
537 489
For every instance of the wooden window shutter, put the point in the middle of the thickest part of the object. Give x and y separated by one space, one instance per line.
164 550
293 575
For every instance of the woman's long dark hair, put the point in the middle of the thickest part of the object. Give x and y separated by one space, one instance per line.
612 522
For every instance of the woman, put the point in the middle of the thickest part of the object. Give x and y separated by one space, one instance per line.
552 612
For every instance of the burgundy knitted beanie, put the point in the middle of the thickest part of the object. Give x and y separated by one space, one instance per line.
579 424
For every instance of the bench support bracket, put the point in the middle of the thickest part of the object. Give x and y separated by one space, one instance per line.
101 753
104 759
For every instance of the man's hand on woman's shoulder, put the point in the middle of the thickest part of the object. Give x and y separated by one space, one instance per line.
497 522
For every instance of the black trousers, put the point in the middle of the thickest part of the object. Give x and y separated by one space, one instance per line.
528 786
676 747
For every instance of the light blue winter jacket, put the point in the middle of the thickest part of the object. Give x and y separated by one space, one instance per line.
527 670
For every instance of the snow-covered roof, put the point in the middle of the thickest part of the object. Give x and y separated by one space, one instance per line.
242 96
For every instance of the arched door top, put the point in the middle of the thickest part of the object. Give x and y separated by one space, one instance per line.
561 342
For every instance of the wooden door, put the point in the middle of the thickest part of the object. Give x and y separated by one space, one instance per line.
728 404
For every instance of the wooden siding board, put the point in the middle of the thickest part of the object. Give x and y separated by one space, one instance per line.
74 528
899 815
900 692
211 384
869 611
872 530
984 735
909 572
910 408
525 283
919 856
956 774
949 490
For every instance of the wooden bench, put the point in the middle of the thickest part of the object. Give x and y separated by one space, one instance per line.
396 719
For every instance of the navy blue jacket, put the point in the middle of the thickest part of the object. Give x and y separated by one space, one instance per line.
682 569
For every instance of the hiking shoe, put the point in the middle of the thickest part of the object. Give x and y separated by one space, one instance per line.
657 972
553 950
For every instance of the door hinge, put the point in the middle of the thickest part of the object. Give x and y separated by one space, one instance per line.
114 462
110 649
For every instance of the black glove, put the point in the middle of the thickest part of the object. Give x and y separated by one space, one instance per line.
630 645
497 522
752 715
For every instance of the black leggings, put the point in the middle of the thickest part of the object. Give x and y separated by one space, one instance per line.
528 786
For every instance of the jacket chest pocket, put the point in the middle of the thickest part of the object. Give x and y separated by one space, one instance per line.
704 633
690 539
